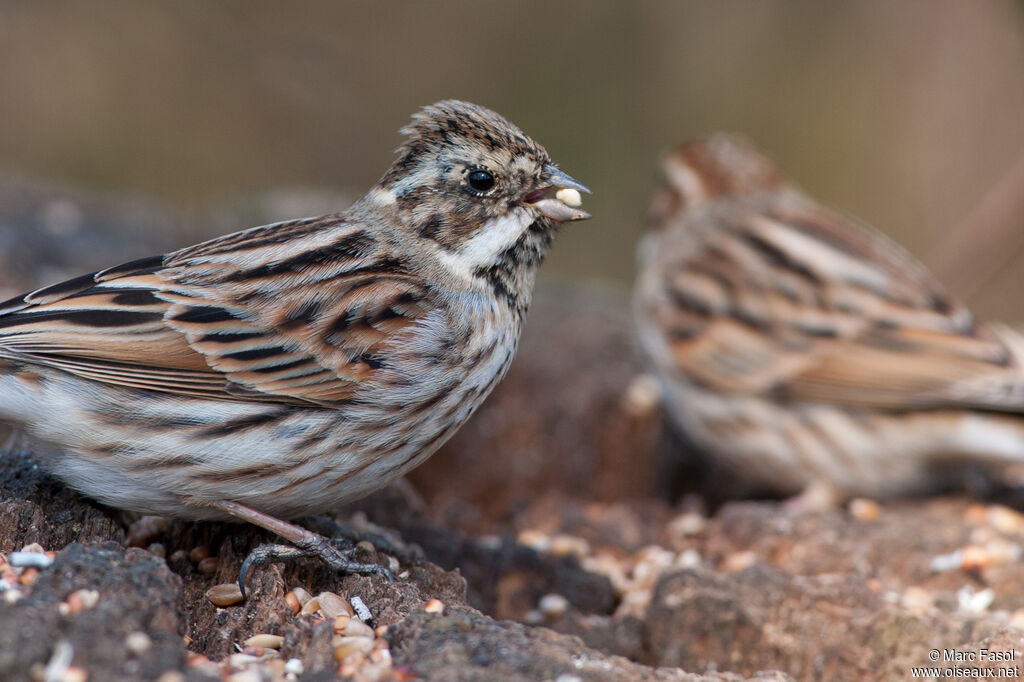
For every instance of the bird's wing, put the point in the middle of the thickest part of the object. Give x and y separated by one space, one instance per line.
295 312
768 293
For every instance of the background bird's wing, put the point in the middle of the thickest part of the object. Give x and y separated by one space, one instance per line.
768 293
292 312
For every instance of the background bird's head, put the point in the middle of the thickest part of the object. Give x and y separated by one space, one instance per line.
474 183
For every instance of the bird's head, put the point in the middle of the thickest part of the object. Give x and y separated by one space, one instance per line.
474 183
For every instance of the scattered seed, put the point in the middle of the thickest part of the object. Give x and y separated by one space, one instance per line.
75 674
199 553
302 595
687 524
533 617
434 606
534 539
947 562
341 622
738 561
224 594
171 676
865 510
1006 520
566 545
974 558
276 666
569 197
242 660
80 600
138 642
293 602
266 641
641 396
970 601
333 606
310 607
976 514
689 558
208 566
351 645
553 604
917 599
357 628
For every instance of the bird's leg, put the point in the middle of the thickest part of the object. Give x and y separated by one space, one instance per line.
306 544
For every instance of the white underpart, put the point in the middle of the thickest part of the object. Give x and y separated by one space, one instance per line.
494 237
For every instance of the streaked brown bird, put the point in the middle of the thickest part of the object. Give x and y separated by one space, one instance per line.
287 369
807 351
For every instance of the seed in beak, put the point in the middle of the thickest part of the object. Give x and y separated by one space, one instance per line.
569 197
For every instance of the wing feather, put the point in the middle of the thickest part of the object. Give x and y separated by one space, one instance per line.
296 312
767 293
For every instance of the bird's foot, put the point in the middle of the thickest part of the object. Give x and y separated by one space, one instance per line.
339 559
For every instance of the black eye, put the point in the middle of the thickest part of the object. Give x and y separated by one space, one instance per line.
481 180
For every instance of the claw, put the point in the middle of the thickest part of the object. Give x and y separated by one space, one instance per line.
338 559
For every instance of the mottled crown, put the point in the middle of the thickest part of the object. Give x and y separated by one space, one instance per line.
453 124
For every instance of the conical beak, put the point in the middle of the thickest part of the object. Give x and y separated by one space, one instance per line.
562 181
555 207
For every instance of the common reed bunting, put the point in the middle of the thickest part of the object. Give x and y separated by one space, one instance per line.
288 369
806 351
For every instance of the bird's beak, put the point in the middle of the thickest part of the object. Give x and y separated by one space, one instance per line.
560 207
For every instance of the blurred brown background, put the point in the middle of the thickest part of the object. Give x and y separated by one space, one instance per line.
905 114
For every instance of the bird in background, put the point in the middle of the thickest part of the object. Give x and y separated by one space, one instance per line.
808 352
285 370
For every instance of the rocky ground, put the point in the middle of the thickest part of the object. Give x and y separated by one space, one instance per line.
559 540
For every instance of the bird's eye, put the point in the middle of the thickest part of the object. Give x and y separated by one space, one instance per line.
480 180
